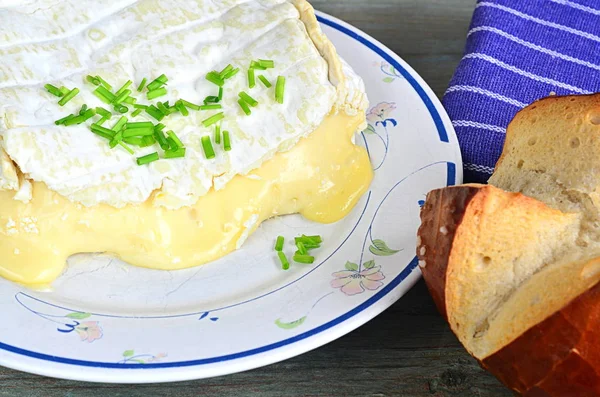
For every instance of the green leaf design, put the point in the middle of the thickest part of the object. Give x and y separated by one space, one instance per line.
369 265
392 69
78 316
291 325
128 353
388 79
370 129
380 248
351 266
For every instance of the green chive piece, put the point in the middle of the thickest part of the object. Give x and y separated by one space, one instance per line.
124 146
279 89
53 90
93 80
267 63
121 97
64 90
133 140
248 99
257 66
251 78
121 108
130 100
83 109
63 101
119 124
215 78
220 96
104 94
160 138
74 120
308 240
190 105
123 87
104 83
173 154
226 142
116 139
307 259
148 141
103 112
218 134
211 107
225 71
135 105
172 137
156 93
102 120
279 243
139 124
162 108
213 119
301 248
264 80
128 133
64 119
88 114
154 112
136 112
285 264
231 73
159 127
245 107
209 152
157 82
211 99
142 85
102 131
147 159
181 107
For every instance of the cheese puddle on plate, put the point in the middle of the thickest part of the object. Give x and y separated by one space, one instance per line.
64 191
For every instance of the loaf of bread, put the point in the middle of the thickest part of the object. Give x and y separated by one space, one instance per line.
514 266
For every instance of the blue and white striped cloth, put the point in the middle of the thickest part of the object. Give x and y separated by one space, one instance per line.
517 52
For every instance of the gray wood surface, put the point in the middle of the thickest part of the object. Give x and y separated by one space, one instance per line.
406 351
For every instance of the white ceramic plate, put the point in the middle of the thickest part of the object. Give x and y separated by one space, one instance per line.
110 322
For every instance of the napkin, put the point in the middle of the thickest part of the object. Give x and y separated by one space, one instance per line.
518 51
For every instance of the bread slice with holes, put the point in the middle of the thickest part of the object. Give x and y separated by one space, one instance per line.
514 266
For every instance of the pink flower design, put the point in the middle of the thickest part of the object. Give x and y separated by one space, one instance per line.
89 331
353 282
381 112
157 358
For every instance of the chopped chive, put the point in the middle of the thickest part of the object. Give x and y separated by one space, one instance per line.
123 88
74 120
162 108
154 112
211 107
103 112
158 92
308 239
244 107
257 66
267 63
215 78
102 92
231 73
53 90
139 124
279 89
136 112
209 152
173 154
119 124
157 82
225 71
251 78
159 127
116 139
102 120
148 141
88 114
218 134
190 105
303 259
181 107
142 85
301 248
63 101
101 96
121 108
160 138
93 80
128 133
172 137
248 99
121 96
285 264
220 96
64 119
64 90
83 109
211 99
133 140
264 80
104 83
130 100
135 105
102 131
213 119
279 243
226 142
149 158
124 146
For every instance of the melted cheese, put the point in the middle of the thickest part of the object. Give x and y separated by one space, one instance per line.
322 178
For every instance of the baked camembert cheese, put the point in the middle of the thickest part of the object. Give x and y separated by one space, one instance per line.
290 115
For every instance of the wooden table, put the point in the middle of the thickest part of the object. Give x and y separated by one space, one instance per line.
406 351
